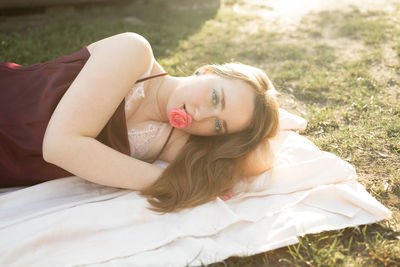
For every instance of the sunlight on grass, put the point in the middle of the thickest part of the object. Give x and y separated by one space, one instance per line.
373 27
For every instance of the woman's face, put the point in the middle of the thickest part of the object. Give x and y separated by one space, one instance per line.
217 105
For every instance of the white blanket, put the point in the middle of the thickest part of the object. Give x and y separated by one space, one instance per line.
72 222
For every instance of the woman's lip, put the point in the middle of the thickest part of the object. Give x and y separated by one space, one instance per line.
187 112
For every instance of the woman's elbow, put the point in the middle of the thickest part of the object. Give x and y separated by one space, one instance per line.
53 148
48 148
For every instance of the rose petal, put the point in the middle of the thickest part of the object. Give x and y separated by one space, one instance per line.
179 119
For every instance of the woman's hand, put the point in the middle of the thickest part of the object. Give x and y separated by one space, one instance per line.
259 160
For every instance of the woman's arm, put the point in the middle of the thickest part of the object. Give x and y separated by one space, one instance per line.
69 142
93 161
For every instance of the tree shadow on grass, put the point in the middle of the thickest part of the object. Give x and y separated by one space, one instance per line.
53 32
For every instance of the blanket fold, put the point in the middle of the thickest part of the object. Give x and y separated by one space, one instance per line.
72 222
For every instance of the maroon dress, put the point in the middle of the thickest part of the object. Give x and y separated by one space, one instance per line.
28 97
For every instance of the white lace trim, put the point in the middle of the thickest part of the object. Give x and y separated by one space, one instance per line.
141 138
137 91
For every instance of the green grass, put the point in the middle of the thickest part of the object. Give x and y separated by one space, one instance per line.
372 27
336 66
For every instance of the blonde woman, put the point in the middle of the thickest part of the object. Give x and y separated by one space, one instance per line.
107 112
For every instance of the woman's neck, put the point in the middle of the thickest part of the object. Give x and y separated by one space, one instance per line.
160 93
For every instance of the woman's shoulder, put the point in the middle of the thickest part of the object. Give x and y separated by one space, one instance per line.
124 43
121 37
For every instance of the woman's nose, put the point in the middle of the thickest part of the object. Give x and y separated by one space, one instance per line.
203 113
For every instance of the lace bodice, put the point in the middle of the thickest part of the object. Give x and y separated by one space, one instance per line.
142 137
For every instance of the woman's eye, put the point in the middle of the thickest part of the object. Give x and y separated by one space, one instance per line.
215 100
218 125
215 97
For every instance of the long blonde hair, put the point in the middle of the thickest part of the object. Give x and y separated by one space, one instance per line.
209 166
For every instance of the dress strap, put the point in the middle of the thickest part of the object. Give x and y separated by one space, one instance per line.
165 144
150 77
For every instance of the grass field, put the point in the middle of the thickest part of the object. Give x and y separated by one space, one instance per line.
339 69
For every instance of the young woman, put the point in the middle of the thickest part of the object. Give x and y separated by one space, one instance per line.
108 111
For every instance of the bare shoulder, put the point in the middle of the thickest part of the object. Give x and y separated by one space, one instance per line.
130 39
115 63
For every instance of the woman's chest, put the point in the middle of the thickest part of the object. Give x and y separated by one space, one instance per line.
147 136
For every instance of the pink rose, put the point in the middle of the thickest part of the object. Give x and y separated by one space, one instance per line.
179 119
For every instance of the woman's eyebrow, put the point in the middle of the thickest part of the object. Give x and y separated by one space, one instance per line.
225 126
223 99
223 107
